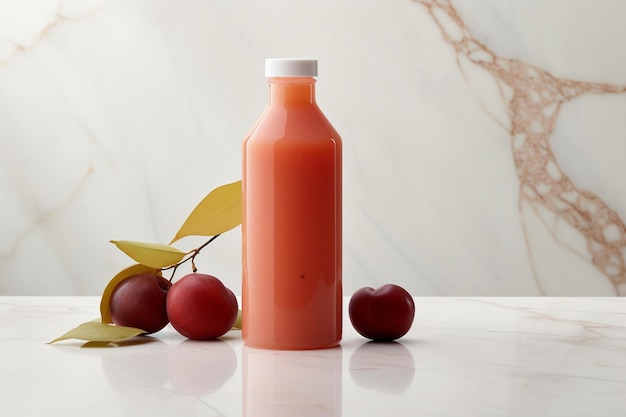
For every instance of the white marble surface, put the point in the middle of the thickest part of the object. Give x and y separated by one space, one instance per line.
483 139
510 357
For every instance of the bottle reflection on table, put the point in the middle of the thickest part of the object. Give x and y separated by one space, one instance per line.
292 383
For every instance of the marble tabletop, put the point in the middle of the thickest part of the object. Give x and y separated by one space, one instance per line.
463 357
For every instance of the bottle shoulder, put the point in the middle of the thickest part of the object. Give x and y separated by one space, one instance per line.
298 122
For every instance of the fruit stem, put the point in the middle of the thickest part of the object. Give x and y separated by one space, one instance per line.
205 244
191 257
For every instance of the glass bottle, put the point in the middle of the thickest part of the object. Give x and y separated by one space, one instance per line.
292 180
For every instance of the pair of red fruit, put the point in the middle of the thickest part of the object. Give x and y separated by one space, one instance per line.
200 307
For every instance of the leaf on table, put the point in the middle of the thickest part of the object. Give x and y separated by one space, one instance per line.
133 341
155 255
136 269
217 213
95 331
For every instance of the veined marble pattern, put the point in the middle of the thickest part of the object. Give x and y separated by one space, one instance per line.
533 98
483 139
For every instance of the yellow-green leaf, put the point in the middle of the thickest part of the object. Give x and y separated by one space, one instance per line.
155 255
217 213
237 324
94 331
122 275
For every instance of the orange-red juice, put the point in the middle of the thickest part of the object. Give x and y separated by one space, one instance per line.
291 294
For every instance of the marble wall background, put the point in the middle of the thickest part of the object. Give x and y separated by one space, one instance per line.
484 139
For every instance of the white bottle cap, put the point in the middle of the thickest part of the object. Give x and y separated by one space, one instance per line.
290 67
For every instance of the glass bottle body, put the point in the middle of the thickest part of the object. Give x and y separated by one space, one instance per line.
292 175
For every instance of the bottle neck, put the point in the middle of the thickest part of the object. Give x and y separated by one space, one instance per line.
291 90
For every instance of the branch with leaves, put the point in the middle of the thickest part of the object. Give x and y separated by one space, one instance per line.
217 213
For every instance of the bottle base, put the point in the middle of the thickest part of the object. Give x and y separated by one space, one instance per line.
290 347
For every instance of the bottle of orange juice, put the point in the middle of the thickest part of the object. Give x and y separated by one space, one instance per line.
292 163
